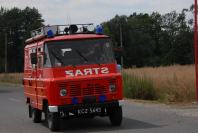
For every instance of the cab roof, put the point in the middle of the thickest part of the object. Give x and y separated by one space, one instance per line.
75 37
63 37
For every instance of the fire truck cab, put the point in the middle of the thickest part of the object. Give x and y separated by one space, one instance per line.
70 71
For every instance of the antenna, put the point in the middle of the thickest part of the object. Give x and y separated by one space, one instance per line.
68 19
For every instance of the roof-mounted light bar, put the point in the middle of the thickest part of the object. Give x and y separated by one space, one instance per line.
45 30
56 30
63 29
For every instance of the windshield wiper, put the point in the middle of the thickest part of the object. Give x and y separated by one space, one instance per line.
81 55
54 53
98 63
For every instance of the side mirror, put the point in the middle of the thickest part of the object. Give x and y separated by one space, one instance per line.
33 58
118 52
119 68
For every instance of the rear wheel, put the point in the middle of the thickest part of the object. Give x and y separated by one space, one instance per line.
115 116
36 114
30 111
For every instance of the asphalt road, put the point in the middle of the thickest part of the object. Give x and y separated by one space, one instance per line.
138 118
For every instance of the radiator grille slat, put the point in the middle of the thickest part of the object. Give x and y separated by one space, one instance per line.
75 89
87 88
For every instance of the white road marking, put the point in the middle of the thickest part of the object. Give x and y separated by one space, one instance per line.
15 100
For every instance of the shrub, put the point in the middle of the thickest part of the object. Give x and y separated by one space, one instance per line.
138 87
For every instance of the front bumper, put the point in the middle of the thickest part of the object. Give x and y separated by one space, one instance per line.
67 108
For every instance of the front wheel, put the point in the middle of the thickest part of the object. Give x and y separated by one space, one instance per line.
53 121
115 116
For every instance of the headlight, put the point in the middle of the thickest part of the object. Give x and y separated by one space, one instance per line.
112 88
63 92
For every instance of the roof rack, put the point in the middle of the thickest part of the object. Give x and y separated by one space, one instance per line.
58 30
63 30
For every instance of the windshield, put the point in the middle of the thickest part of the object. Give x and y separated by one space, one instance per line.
78 52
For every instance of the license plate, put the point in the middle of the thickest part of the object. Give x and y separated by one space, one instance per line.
89 110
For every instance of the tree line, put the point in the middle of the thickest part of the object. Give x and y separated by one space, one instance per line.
148 39
15 27
153 39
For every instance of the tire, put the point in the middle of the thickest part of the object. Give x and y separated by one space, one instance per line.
30 111
53 121
36 115
115 116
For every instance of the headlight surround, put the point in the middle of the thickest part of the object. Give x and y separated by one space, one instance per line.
63 92
112 87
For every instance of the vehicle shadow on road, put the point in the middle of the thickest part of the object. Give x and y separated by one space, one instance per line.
102 124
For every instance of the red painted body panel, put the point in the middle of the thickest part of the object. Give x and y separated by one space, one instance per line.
45 83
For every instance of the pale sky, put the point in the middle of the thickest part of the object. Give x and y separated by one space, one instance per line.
96 11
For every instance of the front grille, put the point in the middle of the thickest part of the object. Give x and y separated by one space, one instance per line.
74 89
100 89
112 81
88 88
62 85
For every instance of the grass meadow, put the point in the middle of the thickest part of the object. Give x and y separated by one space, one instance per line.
164 84
11 78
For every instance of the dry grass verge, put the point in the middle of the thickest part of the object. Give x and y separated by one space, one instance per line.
11 78
170 84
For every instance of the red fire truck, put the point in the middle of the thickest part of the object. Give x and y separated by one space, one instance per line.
70 71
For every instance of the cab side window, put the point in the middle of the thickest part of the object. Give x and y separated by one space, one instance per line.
40 57
46 59
32 50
